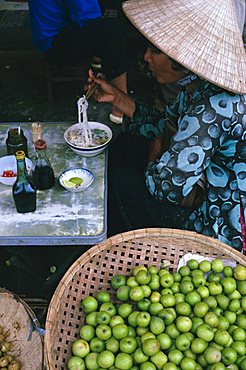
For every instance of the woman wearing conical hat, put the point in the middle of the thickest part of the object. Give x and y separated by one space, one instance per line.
198 45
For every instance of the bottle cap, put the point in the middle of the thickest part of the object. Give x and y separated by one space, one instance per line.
20 154
16 131
40 144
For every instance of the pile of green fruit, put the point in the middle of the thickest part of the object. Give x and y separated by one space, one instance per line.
7 360
192 319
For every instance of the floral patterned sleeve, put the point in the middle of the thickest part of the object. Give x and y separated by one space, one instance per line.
173 176
202 135
149 122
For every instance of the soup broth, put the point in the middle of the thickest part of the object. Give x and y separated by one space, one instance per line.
99 137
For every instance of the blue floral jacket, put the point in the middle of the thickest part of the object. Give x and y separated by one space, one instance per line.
210 139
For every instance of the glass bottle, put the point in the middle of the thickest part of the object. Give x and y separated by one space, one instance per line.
42 172
24 191
37 131
16 140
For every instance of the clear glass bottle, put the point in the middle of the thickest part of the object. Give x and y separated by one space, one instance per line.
16 140
37 133
24 190
42 172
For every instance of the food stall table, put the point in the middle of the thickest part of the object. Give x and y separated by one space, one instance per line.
62 218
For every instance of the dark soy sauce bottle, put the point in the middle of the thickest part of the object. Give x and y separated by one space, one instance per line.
23 190
42 173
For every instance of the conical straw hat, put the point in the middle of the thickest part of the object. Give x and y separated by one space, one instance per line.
202 35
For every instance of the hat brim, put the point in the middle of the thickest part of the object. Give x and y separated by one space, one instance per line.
203 36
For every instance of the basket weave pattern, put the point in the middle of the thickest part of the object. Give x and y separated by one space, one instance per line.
94 269
17 320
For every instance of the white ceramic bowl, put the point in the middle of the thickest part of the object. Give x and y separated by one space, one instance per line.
81 173
9 163
71 133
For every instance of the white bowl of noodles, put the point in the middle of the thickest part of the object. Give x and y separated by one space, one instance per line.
101 135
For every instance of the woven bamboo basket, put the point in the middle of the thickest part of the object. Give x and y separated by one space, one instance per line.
18 321
94 269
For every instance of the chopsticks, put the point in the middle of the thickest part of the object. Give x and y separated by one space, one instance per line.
91 90
93 86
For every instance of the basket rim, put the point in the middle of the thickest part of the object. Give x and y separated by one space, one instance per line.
124 237
27 308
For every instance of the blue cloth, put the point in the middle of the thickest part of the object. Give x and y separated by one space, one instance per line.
210 139
49 17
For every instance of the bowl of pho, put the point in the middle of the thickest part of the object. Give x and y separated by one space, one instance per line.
88 142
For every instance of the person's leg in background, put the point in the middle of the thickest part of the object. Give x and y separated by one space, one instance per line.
126 151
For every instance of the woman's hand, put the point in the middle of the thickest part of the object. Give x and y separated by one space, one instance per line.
104 92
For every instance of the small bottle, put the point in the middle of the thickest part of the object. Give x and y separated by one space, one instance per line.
24 190
42 172
16 140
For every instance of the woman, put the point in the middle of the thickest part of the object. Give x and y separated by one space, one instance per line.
198 46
